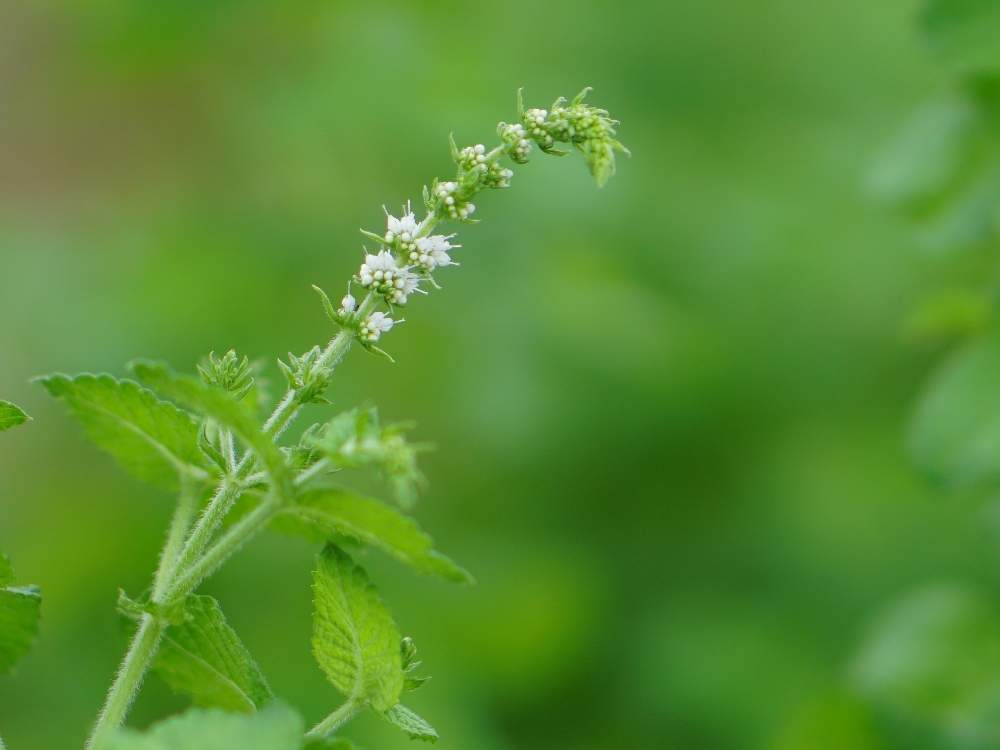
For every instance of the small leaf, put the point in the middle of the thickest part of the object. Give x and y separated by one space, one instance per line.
153 439
375 523
963 34
955 432
11 415
414 726
275 728
217 404
355 640
19 614
205 659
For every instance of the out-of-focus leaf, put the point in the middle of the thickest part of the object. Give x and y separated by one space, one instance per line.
955 433
205 659
11 415
339 512
153 439
963 34
933 661
927 155
950 313
275 728
19 614
355 640
416 728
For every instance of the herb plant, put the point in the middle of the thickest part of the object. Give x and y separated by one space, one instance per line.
204 438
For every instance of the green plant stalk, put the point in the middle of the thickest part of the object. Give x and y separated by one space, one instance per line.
180 524
130 675
335 720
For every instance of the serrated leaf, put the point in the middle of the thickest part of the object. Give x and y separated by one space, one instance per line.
205 659
11 415
415 727
217 404
275 728
355 640
336 511
153 439
955 432
20 608
963 34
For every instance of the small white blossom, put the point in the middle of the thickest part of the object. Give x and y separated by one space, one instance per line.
515 137
383 274
405 227
455 208
375 325
347 305
377 268
432 252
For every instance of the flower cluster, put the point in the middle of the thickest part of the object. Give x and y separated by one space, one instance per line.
383 275
228 372
408 252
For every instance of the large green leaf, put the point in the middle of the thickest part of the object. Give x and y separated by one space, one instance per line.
11 415
19 614
153 439
336 511
963 34
217 404
205 659
355 640
955 433
275 728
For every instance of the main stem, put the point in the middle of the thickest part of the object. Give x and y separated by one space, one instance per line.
128 680
183 568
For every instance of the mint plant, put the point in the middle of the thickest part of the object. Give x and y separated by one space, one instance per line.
203 438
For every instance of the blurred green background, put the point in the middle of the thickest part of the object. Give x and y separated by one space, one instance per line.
669 415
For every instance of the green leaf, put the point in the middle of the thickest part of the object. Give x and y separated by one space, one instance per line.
275 728
414 726
205 659
963 34
336 511
955 432
217 404
355 640
11 415
19 614
153 439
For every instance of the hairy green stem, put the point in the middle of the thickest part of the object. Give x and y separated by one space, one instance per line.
128 680
180 524
334 721
227 545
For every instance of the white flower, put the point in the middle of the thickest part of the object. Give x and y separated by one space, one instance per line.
405 227
378 268
432 252
375 325
405 284
347 305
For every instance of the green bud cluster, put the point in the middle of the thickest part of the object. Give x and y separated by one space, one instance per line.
307 376
228 372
